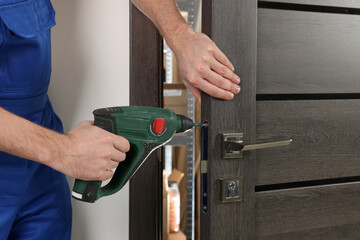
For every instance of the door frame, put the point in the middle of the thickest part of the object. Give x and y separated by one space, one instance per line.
146 77
146 74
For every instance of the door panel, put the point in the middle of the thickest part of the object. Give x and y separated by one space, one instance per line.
325 143
331 3
307 52
323 213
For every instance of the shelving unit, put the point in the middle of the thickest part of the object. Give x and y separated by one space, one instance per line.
187 139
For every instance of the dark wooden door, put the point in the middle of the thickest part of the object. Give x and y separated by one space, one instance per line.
308 88
299 65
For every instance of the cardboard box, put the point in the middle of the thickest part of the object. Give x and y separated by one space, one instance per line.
175 98
176 176
177 236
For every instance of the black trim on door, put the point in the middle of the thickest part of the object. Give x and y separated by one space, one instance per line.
308 8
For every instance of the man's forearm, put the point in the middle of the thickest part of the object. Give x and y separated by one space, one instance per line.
27 140
86 152
167 18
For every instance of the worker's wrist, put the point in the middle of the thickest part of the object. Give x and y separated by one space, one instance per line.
55 151
175 38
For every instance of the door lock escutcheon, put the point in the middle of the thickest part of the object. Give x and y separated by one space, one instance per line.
233 145
232 189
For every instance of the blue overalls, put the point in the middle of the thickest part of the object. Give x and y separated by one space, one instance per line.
34 199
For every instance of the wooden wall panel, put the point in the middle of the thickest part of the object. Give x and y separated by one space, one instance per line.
326 140
323 213
307 52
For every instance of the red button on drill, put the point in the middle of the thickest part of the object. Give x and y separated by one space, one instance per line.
159 125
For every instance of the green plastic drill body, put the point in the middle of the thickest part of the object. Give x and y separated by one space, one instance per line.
136 125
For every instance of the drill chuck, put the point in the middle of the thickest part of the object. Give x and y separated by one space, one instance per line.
186 123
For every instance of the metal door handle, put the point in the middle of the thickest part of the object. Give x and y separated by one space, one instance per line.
233 145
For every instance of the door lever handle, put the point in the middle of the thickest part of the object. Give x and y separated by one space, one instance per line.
233 145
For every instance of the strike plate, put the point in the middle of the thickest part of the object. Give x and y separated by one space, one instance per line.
231 189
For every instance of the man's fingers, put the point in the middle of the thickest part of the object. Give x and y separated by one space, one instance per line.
221 82
112 164
224 71
220 56
213 90
121 143
107 174
118 156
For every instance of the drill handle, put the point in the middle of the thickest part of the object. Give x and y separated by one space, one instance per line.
86 191
90 191
142 143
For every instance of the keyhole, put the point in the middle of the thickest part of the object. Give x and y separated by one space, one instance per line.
231 186
231 189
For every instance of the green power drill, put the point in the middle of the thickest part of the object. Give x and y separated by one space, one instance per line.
146 128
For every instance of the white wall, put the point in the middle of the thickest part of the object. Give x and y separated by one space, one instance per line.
91 70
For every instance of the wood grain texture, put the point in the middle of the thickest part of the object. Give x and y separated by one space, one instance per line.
326 140
306 52
323 213
145 90
236 37
333 3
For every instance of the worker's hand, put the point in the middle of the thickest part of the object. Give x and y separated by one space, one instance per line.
92 152
204 67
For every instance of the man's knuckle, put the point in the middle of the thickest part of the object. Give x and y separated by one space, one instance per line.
108 138
223 70
108 153
206 59
105 153
192 78
225 84
201 69
228 63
